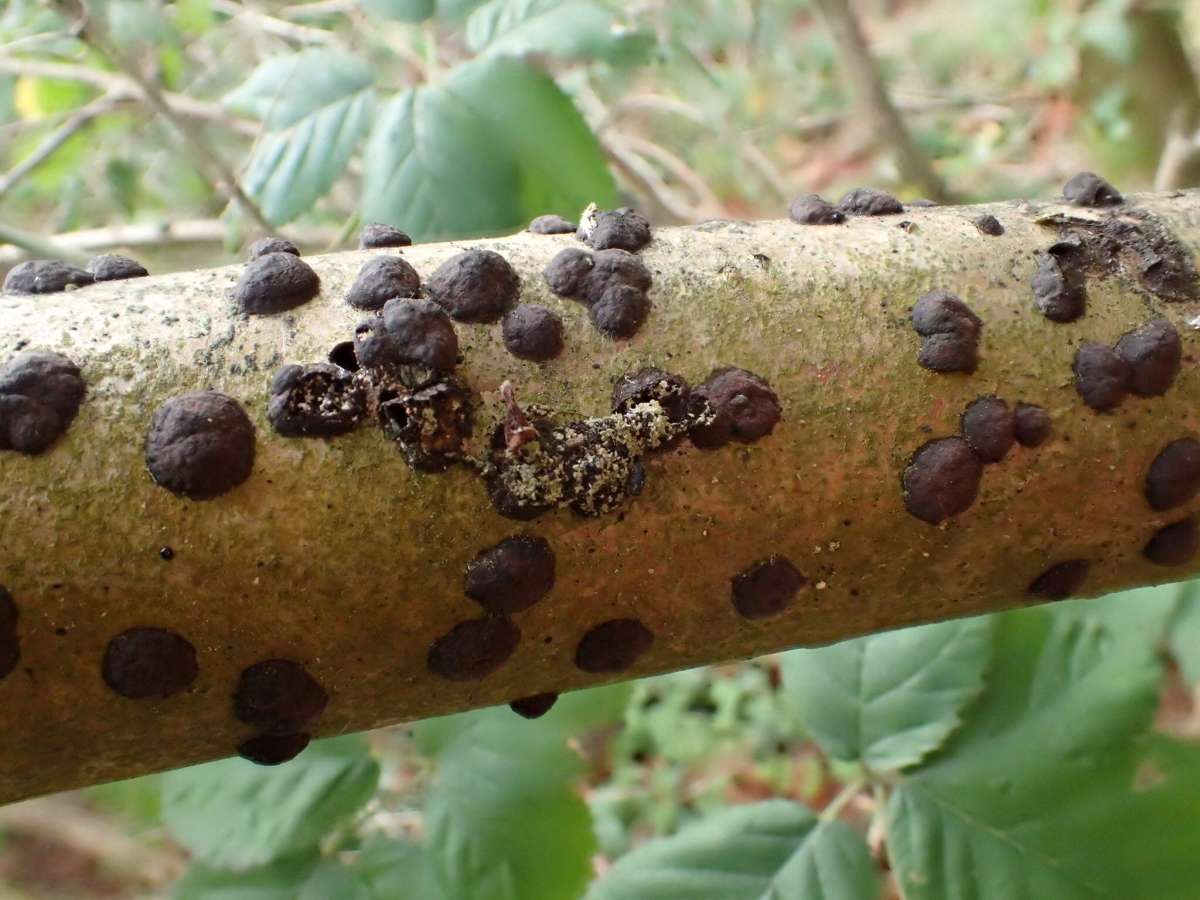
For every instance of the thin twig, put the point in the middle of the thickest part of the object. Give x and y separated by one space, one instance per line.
707 201
316 9
38 246
290 31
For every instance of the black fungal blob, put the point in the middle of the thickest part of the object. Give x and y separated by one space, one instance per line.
382 279
619 229
989 427
1153 353
40 394
812 209
1089 189
533 332
671 391
611 268
866 201
512 575
613 646
278 697
744 406
1059 290
1174 476
317 400
274 283
1031 425
44 276
473 649
619 312
535 706
551 225
430 424
10 645
200 445
1061 580
766 588
565 273
113 267
475 286
949 333
1102 378
272 749
989 225
414 341
266 245
343 356
166 554
941 480
376 235
1173 545
149 663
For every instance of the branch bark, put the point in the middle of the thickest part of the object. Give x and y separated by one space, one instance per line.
335 554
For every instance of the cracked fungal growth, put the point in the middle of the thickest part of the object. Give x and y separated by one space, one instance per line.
10 643
376 235
989 427
941 480
1059 288
266 245
618 229
280 700
475 286
744 409
275 283
532 332
767 588
40 394
534 706
431 424
200 445
44 276
1089 189
412 342
1102 377
512 575
949 333
670 391
989 225
1061 580
317 400
149 664
1153 353
551 225
114 267
343 356
1031 425
382 279
1174 544
867 201
1174 477
473 649
813 209
613 646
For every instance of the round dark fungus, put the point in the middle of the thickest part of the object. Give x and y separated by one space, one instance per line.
941 480
621 229
989 225
1031 425
867 201
613 646
565 273
1153 353
343 356
382 279
474 286
619 312
949 333
113 267
1174 544
767 588
272 749
812 209
149 664
535 706
1089 189
512 575
413 340
989 427
275 283
611 268
200 445
278 697
744 409
533 332
649 384
266 245
40 394
316 400
1174 476
430 424
376 235
473 649
1060 581
1102 378
44 276
551 225
1059 290
166 554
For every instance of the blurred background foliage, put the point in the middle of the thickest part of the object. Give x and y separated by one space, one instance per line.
1045 753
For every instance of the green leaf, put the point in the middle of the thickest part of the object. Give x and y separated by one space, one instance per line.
567 29
419 10
1045 770
1184 636
235 814
281 880
488 148
393 869
776 850
889 699
291 87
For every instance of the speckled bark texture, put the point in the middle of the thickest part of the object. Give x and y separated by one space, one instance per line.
334 553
